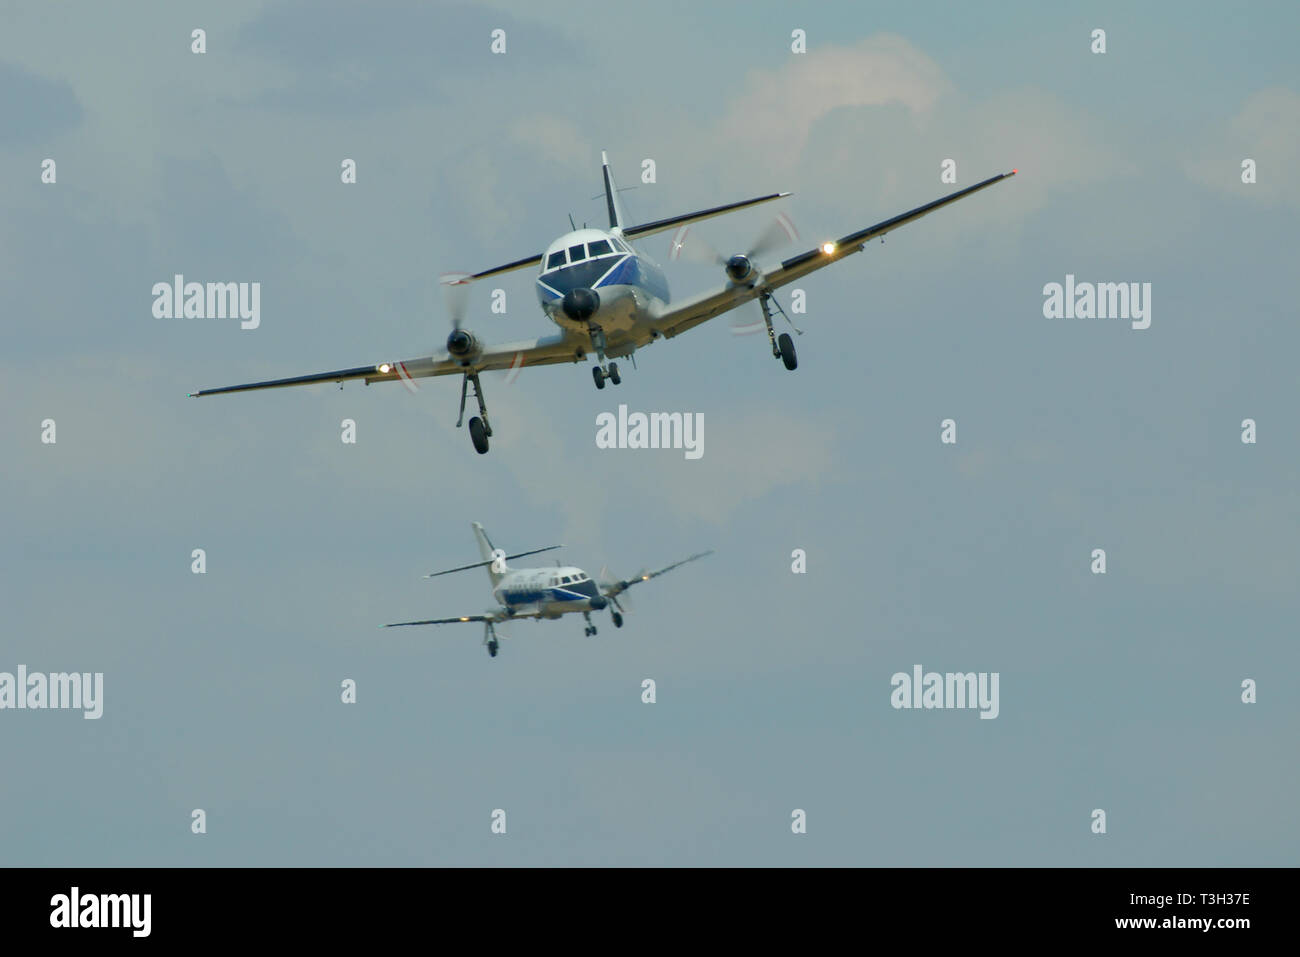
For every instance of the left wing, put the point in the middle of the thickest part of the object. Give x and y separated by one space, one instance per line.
698 309
543 351
617 588
444 621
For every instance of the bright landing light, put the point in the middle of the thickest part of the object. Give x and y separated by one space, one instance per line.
828 248
385 368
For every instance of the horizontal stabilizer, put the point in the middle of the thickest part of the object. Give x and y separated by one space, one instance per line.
659 225
463 568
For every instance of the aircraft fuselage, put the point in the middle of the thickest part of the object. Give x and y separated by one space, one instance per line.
548 592
628 285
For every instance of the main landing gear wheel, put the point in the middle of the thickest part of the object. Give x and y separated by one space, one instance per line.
786 345
599 376
480 430
613 374
479 436
618 620
492 648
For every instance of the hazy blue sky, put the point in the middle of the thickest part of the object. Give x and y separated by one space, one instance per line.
222 691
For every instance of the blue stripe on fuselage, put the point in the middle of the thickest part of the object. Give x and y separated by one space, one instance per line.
629 271
545 595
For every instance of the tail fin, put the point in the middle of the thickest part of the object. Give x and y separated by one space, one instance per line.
490 554
616 219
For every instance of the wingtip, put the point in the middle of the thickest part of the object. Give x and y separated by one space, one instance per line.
1013 172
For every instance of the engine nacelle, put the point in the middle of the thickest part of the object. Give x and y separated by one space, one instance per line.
740 269
463 344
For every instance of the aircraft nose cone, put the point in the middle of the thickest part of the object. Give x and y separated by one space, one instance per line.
580 304
598 603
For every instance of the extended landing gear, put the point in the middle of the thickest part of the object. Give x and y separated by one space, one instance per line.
618 619
590 629
785 349
490 639
782 345
478 435
479 428
602 372
600 375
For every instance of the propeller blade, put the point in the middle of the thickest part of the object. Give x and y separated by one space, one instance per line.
746 321
692 247
455 296
613 589
779 232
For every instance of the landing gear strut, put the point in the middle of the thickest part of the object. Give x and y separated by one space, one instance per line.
782 345
591 629
601 371
490 640
479 429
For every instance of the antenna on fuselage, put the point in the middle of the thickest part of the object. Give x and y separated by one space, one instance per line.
571 224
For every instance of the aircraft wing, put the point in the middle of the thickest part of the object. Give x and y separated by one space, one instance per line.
617 588
701 308
444 621
507 355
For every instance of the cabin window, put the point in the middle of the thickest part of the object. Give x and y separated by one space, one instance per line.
555 260
600 247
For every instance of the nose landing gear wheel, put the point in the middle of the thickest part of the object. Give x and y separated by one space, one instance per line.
618 620
613 374
478 435
599 376
492 649
786 345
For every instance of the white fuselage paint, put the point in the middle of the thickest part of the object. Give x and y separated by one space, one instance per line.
547 592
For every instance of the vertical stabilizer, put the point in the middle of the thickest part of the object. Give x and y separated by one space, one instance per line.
489 552
612 203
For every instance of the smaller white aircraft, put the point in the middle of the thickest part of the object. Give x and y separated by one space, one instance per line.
540 592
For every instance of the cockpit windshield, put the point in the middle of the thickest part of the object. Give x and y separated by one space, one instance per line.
583 252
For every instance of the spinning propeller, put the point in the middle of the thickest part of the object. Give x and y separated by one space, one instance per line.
740 267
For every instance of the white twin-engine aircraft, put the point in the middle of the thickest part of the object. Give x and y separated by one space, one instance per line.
610 300
541 592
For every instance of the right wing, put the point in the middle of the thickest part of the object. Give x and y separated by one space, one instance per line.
617 588
688 314
507 355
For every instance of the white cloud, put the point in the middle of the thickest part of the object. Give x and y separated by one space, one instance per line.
1265 129
774 114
